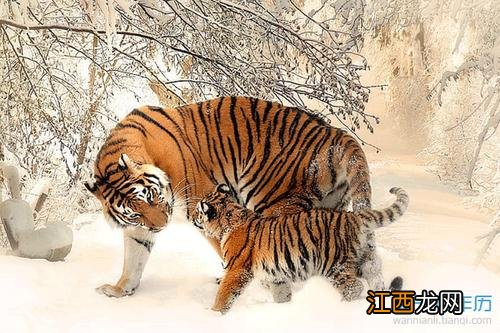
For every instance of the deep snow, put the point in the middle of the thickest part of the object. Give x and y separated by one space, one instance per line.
433 247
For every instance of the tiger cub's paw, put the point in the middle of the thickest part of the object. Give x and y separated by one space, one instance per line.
114 291
219 310
282 292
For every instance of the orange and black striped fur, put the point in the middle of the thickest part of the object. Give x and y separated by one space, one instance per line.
290 248
274 159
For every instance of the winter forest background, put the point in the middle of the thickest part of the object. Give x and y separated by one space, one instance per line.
426 71
67 66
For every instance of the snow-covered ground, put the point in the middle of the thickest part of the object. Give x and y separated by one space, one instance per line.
433 247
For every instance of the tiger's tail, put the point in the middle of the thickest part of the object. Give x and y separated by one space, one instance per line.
381 218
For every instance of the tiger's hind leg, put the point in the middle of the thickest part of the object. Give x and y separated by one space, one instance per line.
338 198
138 243
372 271
282 291
346 281
371 265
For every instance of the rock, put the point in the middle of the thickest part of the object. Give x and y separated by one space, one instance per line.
53 243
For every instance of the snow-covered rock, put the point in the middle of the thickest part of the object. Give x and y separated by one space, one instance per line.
53 242
17 217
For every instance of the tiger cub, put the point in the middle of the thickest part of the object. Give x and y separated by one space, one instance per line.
290 248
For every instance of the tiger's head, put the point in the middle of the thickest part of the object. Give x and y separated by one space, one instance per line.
138 195
218 213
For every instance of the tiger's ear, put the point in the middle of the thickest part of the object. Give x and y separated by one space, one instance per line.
223 188
208 210
125 163
91 186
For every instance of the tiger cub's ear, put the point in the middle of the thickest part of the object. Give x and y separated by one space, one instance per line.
91 186
208 210
125 163
223 188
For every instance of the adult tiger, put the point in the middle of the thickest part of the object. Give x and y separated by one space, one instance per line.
274 158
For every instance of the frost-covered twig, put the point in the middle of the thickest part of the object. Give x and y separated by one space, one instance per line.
492 123
38 194
440 87
53 118
490 237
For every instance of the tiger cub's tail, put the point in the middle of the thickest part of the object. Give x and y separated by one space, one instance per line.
381 218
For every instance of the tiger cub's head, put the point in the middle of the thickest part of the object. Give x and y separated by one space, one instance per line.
134 194
218 213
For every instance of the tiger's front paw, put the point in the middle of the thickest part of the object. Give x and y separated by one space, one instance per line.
219 309
114 291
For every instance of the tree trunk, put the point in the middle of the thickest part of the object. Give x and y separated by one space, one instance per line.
493 122
89 118
2 157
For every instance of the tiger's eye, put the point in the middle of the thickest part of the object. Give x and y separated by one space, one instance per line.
211 213
134 216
